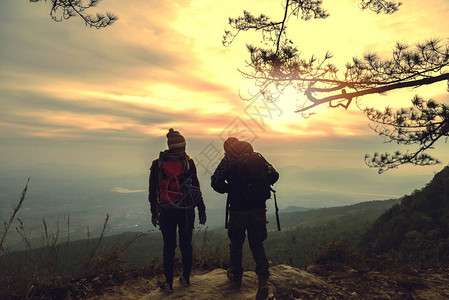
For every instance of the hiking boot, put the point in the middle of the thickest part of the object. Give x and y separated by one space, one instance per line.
236 281
167 287
262 292
184 280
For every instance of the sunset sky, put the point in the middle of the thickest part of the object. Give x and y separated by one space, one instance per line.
104 99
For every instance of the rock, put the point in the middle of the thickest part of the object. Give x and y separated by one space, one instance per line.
285 283
290 283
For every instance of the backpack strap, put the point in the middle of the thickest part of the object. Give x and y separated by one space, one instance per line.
276 209
227 214
188 159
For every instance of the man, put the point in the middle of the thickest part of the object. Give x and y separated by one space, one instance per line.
246 176
174 192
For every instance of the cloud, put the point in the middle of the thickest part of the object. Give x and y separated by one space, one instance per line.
161 65
133 79
138 53
28 113
35 42
36 112
121 190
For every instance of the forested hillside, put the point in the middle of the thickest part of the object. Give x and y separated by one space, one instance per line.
365 211
417 229
305 233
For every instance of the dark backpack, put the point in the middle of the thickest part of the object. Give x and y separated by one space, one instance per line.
172 176
254 177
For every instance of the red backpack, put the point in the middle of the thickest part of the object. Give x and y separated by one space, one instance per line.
172 174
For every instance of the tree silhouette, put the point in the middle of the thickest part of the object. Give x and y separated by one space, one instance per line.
279 65
423 124
65 9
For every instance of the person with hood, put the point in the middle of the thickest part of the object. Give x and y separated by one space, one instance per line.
246 177
174 192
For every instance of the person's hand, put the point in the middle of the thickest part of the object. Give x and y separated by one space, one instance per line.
155 220
203 219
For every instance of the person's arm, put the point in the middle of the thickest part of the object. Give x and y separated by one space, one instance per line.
273 175
152 189
198 196
218 179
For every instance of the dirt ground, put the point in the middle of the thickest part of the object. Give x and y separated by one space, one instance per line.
341 283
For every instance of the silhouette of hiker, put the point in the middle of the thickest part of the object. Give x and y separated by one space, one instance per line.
246 176
174 192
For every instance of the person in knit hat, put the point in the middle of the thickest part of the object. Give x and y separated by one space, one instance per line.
174 192
175 140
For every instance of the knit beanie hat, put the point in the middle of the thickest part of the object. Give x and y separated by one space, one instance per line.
175 139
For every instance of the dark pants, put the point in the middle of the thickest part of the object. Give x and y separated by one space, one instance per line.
253 221
170 219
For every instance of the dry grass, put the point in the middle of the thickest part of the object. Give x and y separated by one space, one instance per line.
45 268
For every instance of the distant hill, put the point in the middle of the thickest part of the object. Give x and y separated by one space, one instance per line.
309 229
417 229
290 209
307 217
304 233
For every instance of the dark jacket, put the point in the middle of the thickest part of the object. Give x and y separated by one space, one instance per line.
154 182
226 180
